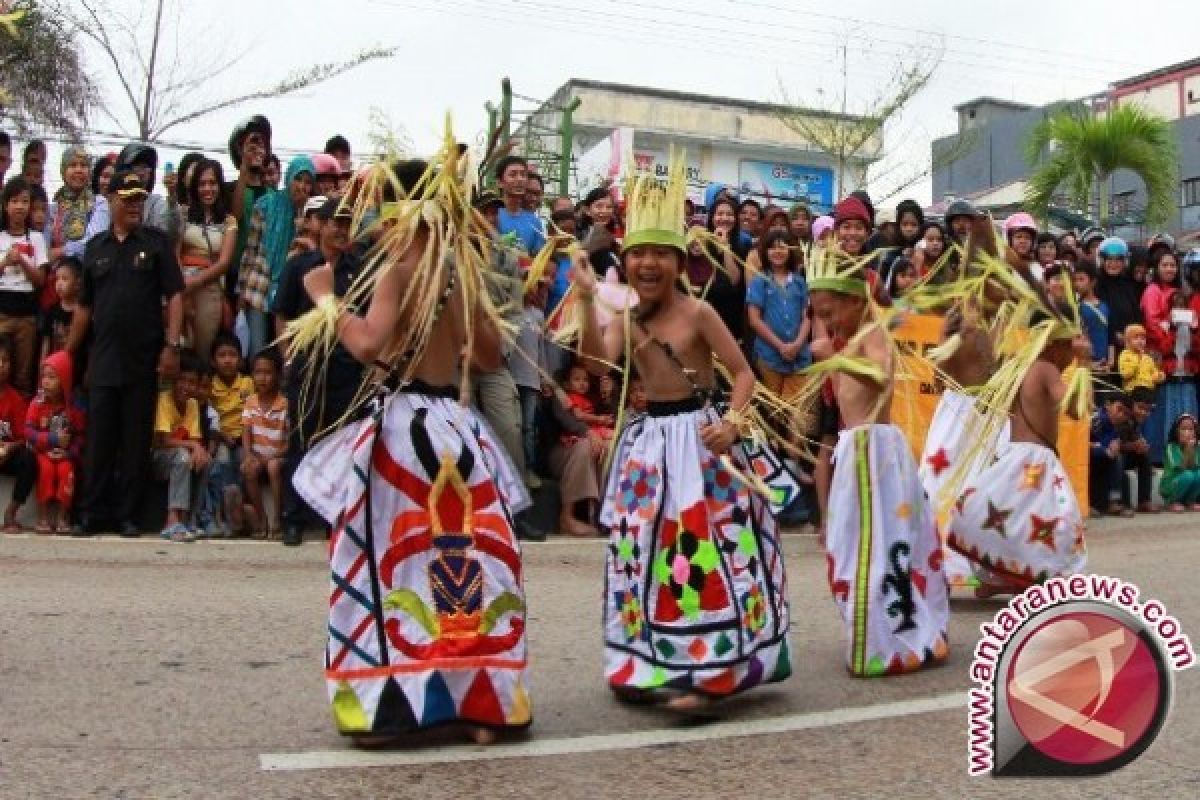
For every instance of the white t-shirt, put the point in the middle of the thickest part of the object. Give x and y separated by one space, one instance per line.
13 278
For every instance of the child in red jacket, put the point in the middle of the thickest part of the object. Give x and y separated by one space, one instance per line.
15 458
54 429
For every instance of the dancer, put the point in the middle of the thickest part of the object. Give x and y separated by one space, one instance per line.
695 599
1018 520
883 557
427 610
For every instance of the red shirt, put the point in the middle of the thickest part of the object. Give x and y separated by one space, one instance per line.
12 415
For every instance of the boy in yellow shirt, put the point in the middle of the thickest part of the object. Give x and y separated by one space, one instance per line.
1137 367
179 448
228 394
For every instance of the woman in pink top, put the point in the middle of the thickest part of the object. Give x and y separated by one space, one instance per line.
1156 302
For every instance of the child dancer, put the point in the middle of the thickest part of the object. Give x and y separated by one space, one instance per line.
426 610
883 556
1018 519
695 599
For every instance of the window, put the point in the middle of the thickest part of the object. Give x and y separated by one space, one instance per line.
1190 192
1122 203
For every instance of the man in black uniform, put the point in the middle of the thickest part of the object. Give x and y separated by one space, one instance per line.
330 396
129 271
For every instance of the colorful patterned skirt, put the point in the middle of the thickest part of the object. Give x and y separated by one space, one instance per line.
883 556
426 606
944 445
695 596
1018 519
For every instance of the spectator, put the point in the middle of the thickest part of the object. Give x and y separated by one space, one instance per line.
572 461
179 456
264 440
1046 250
1093 314
308 237
39 212
1054 279
750 217
578 386
562 203
822 229
901 277
338 146
56 323
512 174
313 408
33 162
1135 451
102 172
1156 303
726 291
272 228
910 220
1106 472
186 165
777 306
272 173
928 250
249 149
54 428
1089 244
16 460
535 190
1139 268
5 156
598 231
562 224
22 256
637 402
1137 367
205 253
228 394
1117 289
528 363
326 175
142 160
1021 232
73 204
801 224
1180 484
129 272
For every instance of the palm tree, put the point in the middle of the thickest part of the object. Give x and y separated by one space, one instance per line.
1082 150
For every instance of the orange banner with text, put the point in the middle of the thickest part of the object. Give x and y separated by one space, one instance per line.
916 398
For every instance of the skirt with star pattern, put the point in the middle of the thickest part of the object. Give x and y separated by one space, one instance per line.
695 595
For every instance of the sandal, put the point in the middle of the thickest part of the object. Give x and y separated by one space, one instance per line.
43 527
1177 508
177 533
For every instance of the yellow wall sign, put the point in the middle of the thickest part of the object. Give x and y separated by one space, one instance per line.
916 399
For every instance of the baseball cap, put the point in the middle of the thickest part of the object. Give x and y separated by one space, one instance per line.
314 204
126 183
333 209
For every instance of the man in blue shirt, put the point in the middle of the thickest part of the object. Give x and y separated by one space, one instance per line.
512 175
1106 463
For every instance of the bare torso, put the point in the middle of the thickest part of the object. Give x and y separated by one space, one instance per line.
861 401
676 325
1035 411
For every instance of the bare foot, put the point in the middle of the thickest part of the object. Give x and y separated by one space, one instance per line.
692 703
480 735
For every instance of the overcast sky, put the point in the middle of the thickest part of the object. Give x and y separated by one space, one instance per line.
455 52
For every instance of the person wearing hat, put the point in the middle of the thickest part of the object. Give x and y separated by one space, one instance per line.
73 203
308 237
272 228
673 484
249 149
142 160
129 272
314 408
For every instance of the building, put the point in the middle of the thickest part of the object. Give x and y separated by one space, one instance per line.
741 143
988 151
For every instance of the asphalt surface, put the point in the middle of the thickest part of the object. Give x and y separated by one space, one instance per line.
133 669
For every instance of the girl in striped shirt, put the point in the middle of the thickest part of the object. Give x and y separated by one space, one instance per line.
264 439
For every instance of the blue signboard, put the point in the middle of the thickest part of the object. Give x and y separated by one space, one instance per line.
785 184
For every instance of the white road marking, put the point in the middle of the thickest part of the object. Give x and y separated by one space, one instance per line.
350 758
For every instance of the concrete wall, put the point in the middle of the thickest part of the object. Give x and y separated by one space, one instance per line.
1162 100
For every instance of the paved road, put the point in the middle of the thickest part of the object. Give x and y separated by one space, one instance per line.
142 669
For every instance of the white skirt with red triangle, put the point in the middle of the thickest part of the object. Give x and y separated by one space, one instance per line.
883 556
1018 519
426 606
